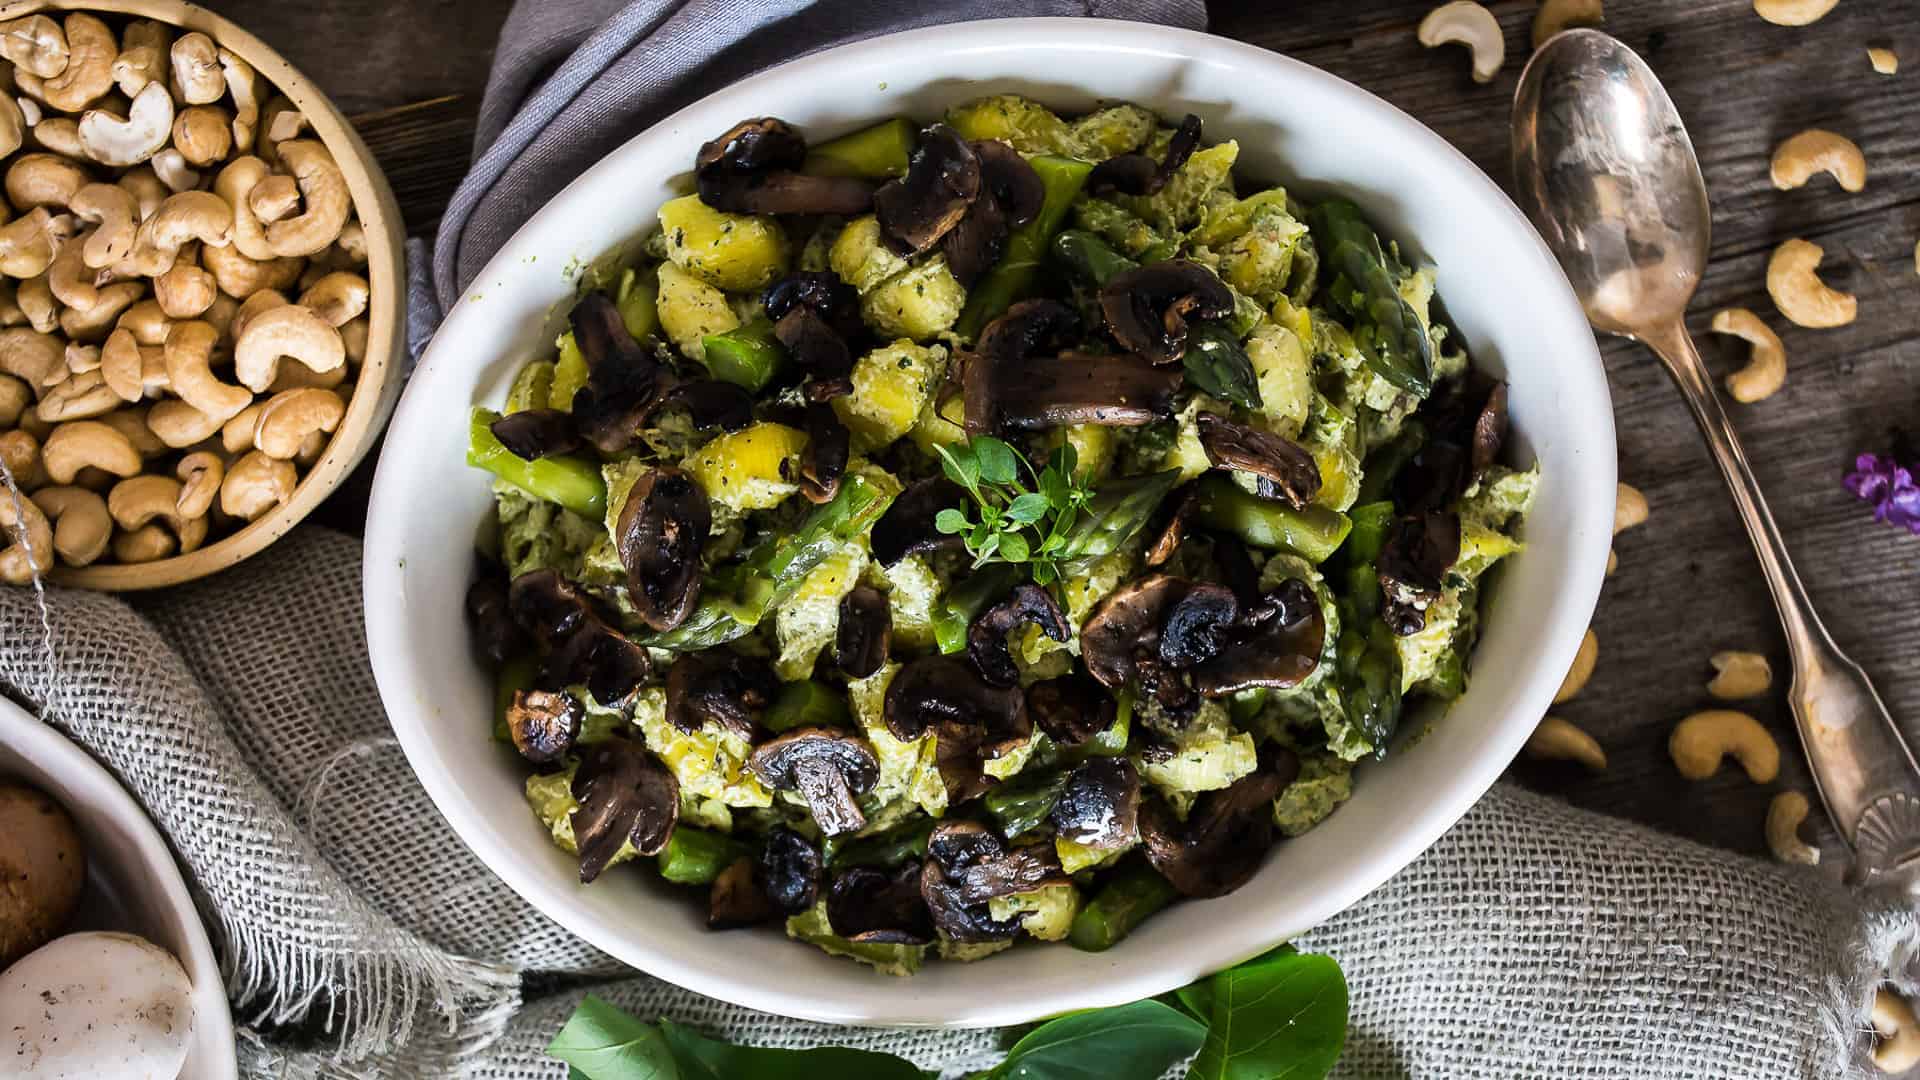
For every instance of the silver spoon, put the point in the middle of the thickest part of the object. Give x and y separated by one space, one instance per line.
1606 171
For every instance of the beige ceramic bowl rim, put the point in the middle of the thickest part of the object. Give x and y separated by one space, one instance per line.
379 215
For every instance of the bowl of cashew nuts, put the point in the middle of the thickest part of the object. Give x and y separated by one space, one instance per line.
201 294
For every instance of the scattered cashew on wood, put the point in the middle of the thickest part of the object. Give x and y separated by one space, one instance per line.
1784 816
1464 22
1793 12
1559 740
1699 742
1799 293
1899 1047
1766 369
1557 15
1629 511
1739 675
1884 61
1815 150
1582 669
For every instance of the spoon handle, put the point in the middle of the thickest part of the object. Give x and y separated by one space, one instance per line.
1864 769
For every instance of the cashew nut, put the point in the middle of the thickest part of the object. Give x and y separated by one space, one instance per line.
235 184
33 91
1739 675
1557 740
147 322
196 69
121 365
37 359
59 135
1465 22
82 358
1766 366
87 444
29 550
288 418
44 180
202 135
1784 815
138 500
15 396
189 352
1582 669
1556 15
186 215
111 210
81 525
200 474
339 297
1899 1046
185 290
147 189
353 243
1800 294
13 125
149 543
237 436
133 424
20 453
220 313
1629 508
256 484
112 140
354 336
26 244
240 276
78 397
170 166
324 190
274 197
1793 12
139 67
91 49
282 121
1884 61
290 330
1701 740
35 44
68 279
243 86
180 425
1816 151
94 323
254 305
150 34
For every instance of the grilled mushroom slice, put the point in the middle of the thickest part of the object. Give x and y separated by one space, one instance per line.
720 686
987 637
1184 502
906 527
942 182
1124 624
1149 308
967 865
625 797
788 871
865 632
972 721
817 317
1010 196
1291 470
754 168
663 529
496 638
623 379
1465 434
830 769
1023 330
709 403
736 898
1071 709
581 643
1197 626
544 723
1223 840
881 907
536 433
1099 808
1081 388
825 458
1280 653
1417 553
1138 174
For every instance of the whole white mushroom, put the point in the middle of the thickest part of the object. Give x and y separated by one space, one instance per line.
94 1005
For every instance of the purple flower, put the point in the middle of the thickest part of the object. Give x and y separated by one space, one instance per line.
1889 486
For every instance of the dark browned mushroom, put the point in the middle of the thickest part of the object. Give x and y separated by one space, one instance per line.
1417 553
624 380
1026 328
1223 841
1082 388
754 169
967 865
1027 604
1240 575
709 403
663 529
865 632
1099 808
1291 470
1148 309
495 636
1197 626
1010 196
579 637
1138 174
821 292
941 689
1465 431
906 527
736 898
1071 709
880 907
817 317
830 769
942 181
825 457
1124 624
544 723
788 871
547 606
1282 650
1183 502
1489 429
536 433
625 796
721 686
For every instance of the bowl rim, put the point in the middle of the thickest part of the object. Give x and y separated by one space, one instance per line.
48 750
378 382
411 719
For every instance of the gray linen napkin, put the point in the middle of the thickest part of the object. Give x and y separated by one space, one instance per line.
361 938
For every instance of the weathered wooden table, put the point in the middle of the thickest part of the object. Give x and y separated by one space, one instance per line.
1687 583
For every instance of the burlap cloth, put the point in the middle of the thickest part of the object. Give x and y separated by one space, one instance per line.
361 938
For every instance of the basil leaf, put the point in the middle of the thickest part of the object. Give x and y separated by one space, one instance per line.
998 465
1028 508
601 1042
1013 547
1282 1016
1140 1041
960 465
701 1058
1218 364
950 521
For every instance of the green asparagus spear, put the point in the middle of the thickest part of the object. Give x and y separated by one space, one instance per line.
696 856
1119 509
805 704
531 388
1122 904
1012 278
637 297
1218 364
890 848
965 599
1313 533
1367 659
574 483
879 152
1022 806
747 355
1389 333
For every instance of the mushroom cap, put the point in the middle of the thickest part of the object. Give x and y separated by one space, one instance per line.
532 434
496 637
1100 806
865 632
709 403
824 460
1149 308
736 898
830 769
1222 842
721 686
935 690
1022 330
1080 388
1011 194
942 182
1071 709
822 292
788 871
906 527
1121 622
548 606
1197 626
760 144
1273 458
623 379
1284 648
624 795
876 906
753 168
1026 604
967 865
663 530
1415 557
1138 174
1465 432
544 723
817 317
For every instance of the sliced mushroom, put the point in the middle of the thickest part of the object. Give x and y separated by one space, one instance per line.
821 292
581 642
1184 502
623 379
817 317
880 907
548 606
709 403
830 769
906 527
1125 623
754 169
663 530
1025 329
1100 806
736 899
544 723
1148 309
1465 433
1197 626
1239 574
722 687
625 796
865 632
1138 174
536 433
1081 388
1027 604
1011 193
788 871
1287 466
825 458
496 637
1222 842
1417 553
1071 709
1280 654
972 722
967 865
942 182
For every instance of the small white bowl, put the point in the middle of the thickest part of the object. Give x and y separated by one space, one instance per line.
1501 289
132 884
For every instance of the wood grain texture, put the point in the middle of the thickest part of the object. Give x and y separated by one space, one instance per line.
1687 584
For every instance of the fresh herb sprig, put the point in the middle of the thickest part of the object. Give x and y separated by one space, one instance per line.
1018 514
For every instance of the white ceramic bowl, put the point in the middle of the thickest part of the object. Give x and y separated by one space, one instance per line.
132 884
1294 124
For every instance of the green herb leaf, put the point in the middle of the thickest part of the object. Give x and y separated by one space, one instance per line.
1140 1041
1013 547
951 521
601 1042
960 465
1028 508
998 462
701 1058
1282 1016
